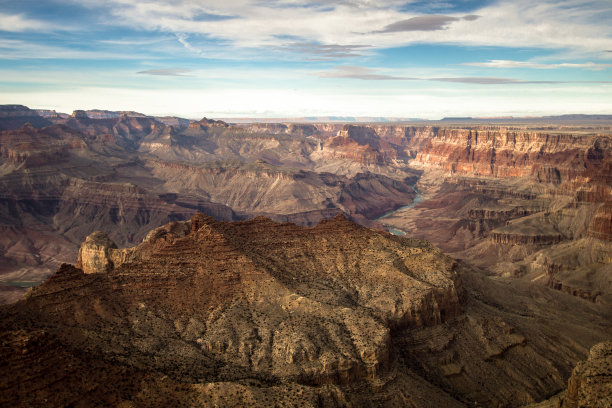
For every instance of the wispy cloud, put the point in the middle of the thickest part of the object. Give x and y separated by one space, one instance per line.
20 23
166 72
244 24
182 38
326 51
525 64
431 22
507 81
369 74
355 72
18 49
490 81
138 41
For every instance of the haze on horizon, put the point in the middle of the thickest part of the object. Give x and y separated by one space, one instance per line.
296 58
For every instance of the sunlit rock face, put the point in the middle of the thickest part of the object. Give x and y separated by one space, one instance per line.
94 256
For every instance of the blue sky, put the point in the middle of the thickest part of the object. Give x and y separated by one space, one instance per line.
295 58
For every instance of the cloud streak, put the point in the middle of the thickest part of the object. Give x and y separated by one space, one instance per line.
166 72
322 52
19 23
525 64
355 72
490 81
369 74
571 25
431 22
182 38
26 50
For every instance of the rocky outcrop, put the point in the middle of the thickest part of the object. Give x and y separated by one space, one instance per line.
173 121
94 254
510 238
600 226
99 254
502 152
212 123
250 312
590 385
15 116
590 295
227 301
37 147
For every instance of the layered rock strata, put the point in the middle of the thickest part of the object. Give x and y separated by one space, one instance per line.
253 313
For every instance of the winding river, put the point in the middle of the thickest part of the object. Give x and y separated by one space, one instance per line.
416 201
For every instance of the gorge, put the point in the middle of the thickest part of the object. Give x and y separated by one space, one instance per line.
249 264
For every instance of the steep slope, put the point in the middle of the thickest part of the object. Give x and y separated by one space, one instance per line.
255 312
514 200
60 184
523 201
262 188
591 382
15 116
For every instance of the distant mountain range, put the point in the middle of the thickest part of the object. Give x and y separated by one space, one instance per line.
23 111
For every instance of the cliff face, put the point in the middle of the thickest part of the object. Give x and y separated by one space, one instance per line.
35 148
591 382
550 158
359 144
15 116
601 224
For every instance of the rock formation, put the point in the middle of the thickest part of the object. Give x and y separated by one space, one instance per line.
255 312
591 382
15 116
94 256
525 203
62 182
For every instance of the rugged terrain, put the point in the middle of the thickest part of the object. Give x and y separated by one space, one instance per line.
209 311
525 204
533 202
260 313
127 174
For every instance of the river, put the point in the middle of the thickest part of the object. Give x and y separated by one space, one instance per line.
416 201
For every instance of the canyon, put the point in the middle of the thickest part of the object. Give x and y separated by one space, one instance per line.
253 313
250 263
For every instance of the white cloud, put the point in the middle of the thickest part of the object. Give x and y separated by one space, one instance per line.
182 38
526 64
17 49
568 24
356 72
20 23
166 72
